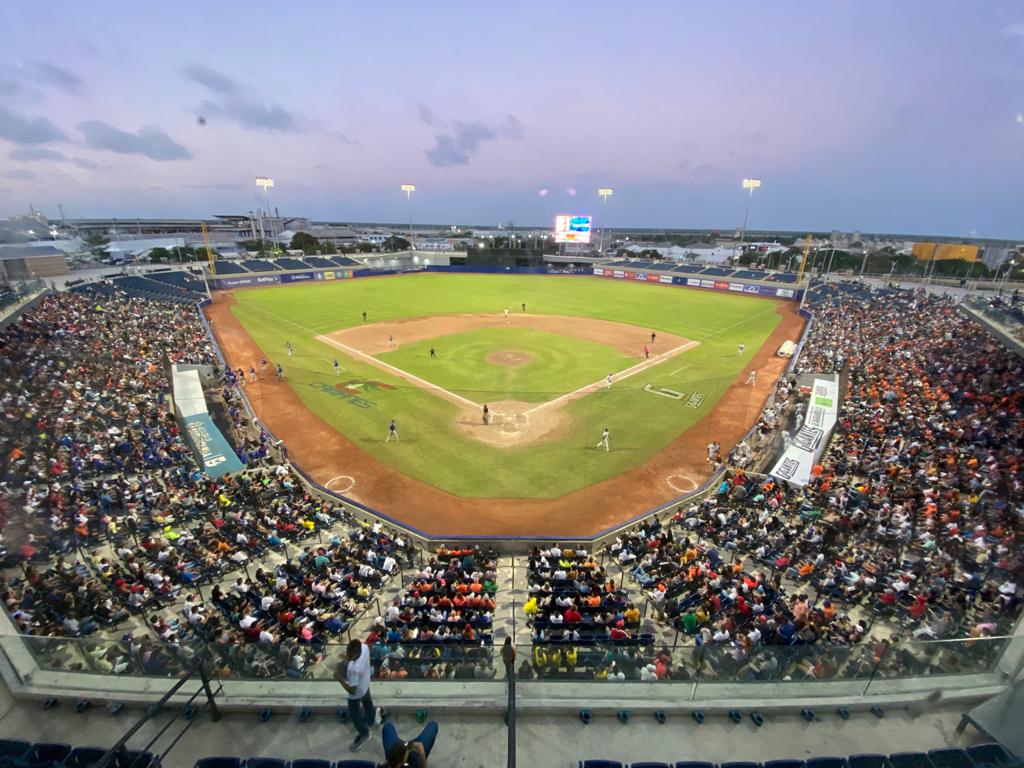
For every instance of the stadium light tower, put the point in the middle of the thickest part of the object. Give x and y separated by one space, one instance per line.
749 184
605 193
266 182
409 189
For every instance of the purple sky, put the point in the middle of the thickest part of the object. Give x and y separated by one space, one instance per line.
872 115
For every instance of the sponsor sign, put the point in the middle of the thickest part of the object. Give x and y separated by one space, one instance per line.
328 275
598 271
810 441
639 275
664 278
618 273
721 285
736 287
214 452
707 283
297 276
694 281
785 293
241 282
752 289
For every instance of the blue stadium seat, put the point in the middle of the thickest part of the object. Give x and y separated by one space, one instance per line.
600 764
739 764
649 765
826 762
952 757
138 758
46 754
219 762
866 760
909 760
311 763
83 757
794 763
989 754
12 750
265 762
694 764
355 764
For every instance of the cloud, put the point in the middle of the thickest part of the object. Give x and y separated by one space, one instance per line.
31 154
85 163
423 113
211 79
57 77
148 140
27 130
463 141
230 187
20 173
1015 29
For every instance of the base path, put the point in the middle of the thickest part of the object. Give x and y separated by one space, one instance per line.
325 454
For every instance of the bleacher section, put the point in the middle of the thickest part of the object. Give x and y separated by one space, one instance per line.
989 755
320 262
688 269
230 268
718 271
141 287
345 261
784 277
287 262
260 265
181 280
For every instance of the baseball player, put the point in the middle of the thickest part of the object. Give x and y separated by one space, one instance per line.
337 367
653 337
280 372
524 306
487 414
647 352
752 378
741 349
506 316
240 375
252 374
263 365
364 315
288 348
608 382
391 341
433 354
392 432
604 440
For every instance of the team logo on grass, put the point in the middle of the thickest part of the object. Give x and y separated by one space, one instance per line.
352 391
695 401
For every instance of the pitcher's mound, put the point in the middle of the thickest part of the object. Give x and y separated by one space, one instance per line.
509 357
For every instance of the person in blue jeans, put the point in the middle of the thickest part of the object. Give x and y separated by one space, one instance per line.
408 754
354 675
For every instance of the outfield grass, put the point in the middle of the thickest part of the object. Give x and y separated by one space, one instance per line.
432 448
559 364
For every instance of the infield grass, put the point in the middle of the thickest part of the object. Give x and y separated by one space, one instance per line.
432 448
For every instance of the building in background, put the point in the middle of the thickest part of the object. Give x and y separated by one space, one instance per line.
946 252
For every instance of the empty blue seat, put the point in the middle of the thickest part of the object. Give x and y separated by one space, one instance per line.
740 764
83 757
826 762
46 754
989 754
265 762
909 760
219 762
600 764
13 749
952 757
355 764
694 764
649 765
784 763
138 758
867 760
311 763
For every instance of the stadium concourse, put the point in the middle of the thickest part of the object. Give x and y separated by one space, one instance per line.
121 557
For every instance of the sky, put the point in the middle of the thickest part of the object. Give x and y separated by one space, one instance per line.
873 115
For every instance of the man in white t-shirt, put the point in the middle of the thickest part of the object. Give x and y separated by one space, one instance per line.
354 675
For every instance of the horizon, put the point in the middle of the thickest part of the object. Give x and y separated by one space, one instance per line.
874 118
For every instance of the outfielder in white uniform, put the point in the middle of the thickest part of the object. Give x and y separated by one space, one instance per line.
608 382
742 347
604 440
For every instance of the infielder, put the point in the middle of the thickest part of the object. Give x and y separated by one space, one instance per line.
252 374
288 348
604 440
337 367
391 341
487 414
608 382
506 315
433 354
280 372
742 347
752 378
392 432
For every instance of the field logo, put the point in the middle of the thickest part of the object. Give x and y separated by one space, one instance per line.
367 385
695 401
349 391
664 392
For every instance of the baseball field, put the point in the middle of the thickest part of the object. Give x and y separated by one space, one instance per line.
647 362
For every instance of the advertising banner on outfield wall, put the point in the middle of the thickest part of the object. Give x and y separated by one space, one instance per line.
810 441
297 276
242 282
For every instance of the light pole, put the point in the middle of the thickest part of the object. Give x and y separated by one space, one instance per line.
605 193
749 184
266 183
409 189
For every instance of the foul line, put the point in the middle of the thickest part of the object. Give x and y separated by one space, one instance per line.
618 376
677 370
424 384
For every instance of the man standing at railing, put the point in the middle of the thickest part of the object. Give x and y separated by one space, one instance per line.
354 675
